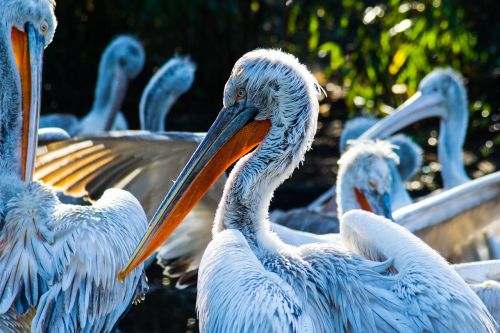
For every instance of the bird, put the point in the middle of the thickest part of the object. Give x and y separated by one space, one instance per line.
122 60
249 280
410 160
172 80
440 94
58 261
364 181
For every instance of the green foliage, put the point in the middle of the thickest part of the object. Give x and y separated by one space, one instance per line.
380 50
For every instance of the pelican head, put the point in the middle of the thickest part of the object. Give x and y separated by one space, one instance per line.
270 102
364 179
440 94
121 61
27 27
172 80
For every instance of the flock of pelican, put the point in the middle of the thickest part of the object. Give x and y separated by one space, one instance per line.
74 207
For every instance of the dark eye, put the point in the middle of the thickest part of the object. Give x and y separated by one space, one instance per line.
241 93
372 185
44 28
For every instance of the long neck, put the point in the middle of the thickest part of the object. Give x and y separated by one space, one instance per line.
345 196
107 99
451 139
250 186
154 108
10 107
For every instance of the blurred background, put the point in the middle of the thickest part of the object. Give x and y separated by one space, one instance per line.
369 56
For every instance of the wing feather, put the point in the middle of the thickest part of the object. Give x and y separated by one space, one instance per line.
144 164
92 244
245 283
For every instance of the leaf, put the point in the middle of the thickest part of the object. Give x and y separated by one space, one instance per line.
336 54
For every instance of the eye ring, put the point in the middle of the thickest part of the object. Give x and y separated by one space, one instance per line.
241 93
372 185
44 28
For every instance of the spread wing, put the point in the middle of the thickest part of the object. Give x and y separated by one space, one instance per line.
146 165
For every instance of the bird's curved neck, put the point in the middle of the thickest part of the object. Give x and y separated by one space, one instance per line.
452 133
10 106
346 197
251 184
108 97
154 109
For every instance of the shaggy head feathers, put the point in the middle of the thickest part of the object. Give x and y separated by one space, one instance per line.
365 165
410 154
276 82
40 13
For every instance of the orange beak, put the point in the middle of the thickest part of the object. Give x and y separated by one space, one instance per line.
363 202
234 133
28 51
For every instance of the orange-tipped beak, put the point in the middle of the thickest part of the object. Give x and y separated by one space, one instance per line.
233 134
28 50
363 202
382 202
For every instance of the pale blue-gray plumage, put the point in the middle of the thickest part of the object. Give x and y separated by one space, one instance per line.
122 60
314 288
410 157
410 154
367 167
249 280
440 94
172 80
58 262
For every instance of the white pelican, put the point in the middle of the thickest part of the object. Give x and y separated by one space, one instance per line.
58 262
250 280
172 80
440 94
410 157
122 60
410 160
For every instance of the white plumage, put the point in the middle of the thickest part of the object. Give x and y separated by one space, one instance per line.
58 262
249 280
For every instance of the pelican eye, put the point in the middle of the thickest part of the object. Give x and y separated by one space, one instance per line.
372 185
240 94
44 28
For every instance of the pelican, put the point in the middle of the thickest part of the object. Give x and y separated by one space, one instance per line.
410 160
440 94
121 61
409 153
172 80
249 280
58 262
